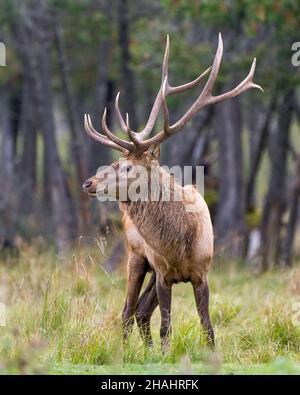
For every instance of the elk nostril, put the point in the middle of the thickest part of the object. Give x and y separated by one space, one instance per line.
86 184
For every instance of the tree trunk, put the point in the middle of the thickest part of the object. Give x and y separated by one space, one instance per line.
99 154
76 134
28 162
257 153
287 248
32 35
275 201
127 74
7 166
60 196
230 217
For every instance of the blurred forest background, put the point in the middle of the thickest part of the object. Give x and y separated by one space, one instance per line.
65 58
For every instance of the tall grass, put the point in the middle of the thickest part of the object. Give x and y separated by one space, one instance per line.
66 311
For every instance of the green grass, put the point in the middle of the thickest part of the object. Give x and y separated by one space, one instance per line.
64 317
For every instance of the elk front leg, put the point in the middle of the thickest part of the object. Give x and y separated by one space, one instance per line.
201 292
136 272
164 300
146 305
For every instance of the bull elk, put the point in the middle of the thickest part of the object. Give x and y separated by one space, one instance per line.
162 236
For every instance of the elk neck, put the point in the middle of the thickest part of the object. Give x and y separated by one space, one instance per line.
165 225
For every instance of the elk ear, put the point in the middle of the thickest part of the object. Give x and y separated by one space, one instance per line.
154 151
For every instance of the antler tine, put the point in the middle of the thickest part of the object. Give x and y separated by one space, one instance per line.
167 89
89 125
125 125
99 137
119 115
164 106
188 85
165 66
132 135
170 90
247 83
139 142
214 70
125 144
205 98
157 103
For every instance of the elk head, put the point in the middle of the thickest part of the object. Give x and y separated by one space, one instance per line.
143 150
115 181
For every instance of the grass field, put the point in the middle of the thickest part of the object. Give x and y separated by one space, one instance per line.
64 317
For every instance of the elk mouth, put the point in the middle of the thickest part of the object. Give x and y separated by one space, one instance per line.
98 192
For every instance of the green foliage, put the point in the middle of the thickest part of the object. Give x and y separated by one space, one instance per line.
211 197
253 218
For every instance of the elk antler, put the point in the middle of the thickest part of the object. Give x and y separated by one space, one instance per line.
139 141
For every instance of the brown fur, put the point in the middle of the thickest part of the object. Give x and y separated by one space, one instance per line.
164 237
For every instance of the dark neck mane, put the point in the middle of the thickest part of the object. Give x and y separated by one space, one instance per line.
165 225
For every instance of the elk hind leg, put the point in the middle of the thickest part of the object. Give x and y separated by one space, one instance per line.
164 300
137 269
146 305
201 292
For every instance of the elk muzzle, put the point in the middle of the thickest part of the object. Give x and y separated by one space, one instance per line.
93 186
89 186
